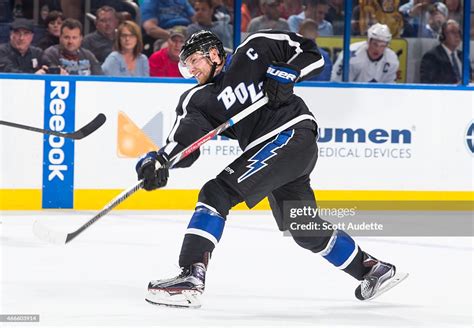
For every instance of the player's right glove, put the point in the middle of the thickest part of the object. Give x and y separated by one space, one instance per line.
278 86
152 169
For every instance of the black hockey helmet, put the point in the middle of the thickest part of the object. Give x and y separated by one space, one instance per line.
202 41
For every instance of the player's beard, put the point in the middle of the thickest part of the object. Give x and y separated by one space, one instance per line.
204 77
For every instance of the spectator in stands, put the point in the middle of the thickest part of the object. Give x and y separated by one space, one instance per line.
164 62
69 55
385 12
309 29
229 6
203 21
127 59
290 7
101 42
415 13
437 15
335 16
443 63
53 28
270 19
363 15
72 8
316 10
221 12
18 11
159 16
455 10
19 56
26 8
249 9
371 60
355 20
472 26
75 8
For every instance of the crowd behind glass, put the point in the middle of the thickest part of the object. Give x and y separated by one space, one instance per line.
393 41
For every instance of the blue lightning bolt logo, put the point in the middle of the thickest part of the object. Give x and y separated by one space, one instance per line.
258 161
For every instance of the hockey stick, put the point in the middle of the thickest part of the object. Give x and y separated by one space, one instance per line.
83 132
46 234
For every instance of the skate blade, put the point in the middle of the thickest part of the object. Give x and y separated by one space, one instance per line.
395 280
186 299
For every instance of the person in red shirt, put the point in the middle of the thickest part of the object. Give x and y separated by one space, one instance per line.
164 62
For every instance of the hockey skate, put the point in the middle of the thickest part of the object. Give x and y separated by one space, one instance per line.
381 277
181 291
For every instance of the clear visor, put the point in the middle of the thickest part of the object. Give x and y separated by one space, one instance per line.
184 71
187 66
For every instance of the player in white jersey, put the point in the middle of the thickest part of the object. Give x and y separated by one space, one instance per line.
371 60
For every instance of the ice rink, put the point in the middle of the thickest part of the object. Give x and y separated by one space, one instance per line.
256 277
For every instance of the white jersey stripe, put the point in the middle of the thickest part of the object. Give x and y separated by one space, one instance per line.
285 37
208 207
308 69
169 147
203 234
273 36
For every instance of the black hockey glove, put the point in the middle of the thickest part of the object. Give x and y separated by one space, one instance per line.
278 86
151 168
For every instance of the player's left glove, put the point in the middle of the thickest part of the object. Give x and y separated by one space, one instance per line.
152 169
278 86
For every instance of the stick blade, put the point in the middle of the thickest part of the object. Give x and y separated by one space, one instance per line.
90 127
45 234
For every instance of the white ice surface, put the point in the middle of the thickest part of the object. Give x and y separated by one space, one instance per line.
256 277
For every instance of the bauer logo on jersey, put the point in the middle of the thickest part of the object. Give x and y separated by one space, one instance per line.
282 75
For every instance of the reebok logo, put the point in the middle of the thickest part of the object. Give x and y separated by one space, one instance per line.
58 152
57 107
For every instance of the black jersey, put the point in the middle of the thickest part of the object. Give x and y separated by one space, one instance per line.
11 61
205 107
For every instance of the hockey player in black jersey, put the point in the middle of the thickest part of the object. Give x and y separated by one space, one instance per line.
279 153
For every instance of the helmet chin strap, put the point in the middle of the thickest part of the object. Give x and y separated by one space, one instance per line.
213 69
211 73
